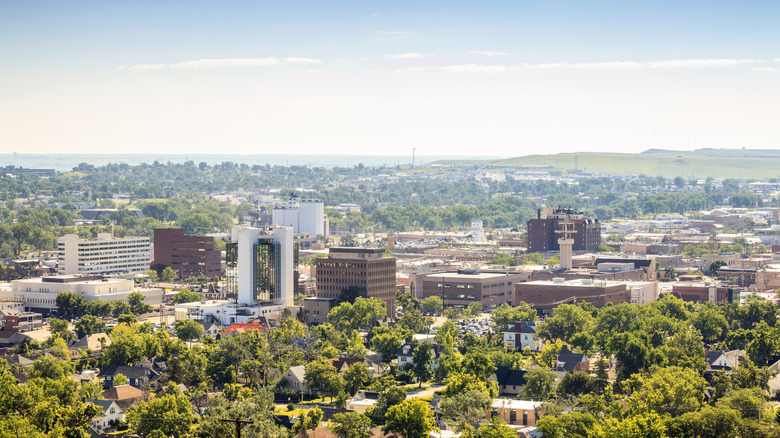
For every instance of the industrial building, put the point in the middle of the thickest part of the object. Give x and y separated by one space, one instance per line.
303 215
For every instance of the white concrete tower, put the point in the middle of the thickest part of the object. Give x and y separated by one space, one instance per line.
566 243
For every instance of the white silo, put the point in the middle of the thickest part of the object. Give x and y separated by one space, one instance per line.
286 216
310 216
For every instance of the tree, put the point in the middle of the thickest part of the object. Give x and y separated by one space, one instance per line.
473 310
576 383
119 379
388 397
127 318
412 320
170 414
504 259
60 327
136 302
539 384
671 390
348 295
168 275
717 264
710 322
187 330
422 357
410 419
356 377
465 408
670 273
351 425
506 314
310 420
89 325
348 317
320 375
186 296
432 304
152 274
567 320
387 344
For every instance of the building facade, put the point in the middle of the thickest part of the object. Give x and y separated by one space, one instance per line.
303 215
463 287
40 294
262 265
546 295
542 234
365 268
104 255
188 255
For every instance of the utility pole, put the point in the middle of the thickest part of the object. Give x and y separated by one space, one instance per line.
238 424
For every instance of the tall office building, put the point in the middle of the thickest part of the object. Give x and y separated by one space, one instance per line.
104 255
303 215
542 236
188 255
261 265
366 268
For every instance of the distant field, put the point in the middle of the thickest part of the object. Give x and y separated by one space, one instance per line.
697 164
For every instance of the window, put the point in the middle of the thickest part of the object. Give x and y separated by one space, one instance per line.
512 416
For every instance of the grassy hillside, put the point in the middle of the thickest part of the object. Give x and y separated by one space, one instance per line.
717 163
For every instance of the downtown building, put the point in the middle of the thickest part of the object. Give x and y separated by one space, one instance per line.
543 232
188 255
103 255
465 286
302 215
365 268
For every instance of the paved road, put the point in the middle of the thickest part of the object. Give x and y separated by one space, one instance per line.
426 392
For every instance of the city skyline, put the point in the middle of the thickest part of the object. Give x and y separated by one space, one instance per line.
503 79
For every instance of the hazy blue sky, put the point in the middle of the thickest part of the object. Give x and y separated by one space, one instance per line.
503 78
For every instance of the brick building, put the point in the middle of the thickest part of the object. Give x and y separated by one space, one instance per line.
542 234
702 293
463 287
188 255
546 295
365 268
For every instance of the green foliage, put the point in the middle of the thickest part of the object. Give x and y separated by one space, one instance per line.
540 384
186 296
89 325
351 425
187 330
422 357
432 304
465 408
504 259
505 315
567 320
348 317
170 414
136 302
410 418
119 379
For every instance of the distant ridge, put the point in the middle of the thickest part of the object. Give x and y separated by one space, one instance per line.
755 164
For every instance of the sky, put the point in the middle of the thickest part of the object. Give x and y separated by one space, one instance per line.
501 78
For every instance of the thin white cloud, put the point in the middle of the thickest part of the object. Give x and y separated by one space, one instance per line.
617 65
478 68
220 63
407 56
487 53
700 63
777 59
767 69
412 70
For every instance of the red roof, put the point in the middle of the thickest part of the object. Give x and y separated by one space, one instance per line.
242 327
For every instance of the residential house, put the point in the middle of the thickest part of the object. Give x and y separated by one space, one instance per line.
510 381
362 401
136 376
125 396
516 412
110 412
95 343
522 334
722 360
569 361
406 356
293 380
211 329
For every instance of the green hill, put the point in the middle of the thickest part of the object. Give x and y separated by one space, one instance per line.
701 163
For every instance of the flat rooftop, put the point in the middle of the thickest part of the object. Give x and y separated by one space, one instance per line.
481 275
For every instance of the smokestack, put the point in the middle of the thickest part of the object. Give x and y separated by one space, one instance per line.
538 213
